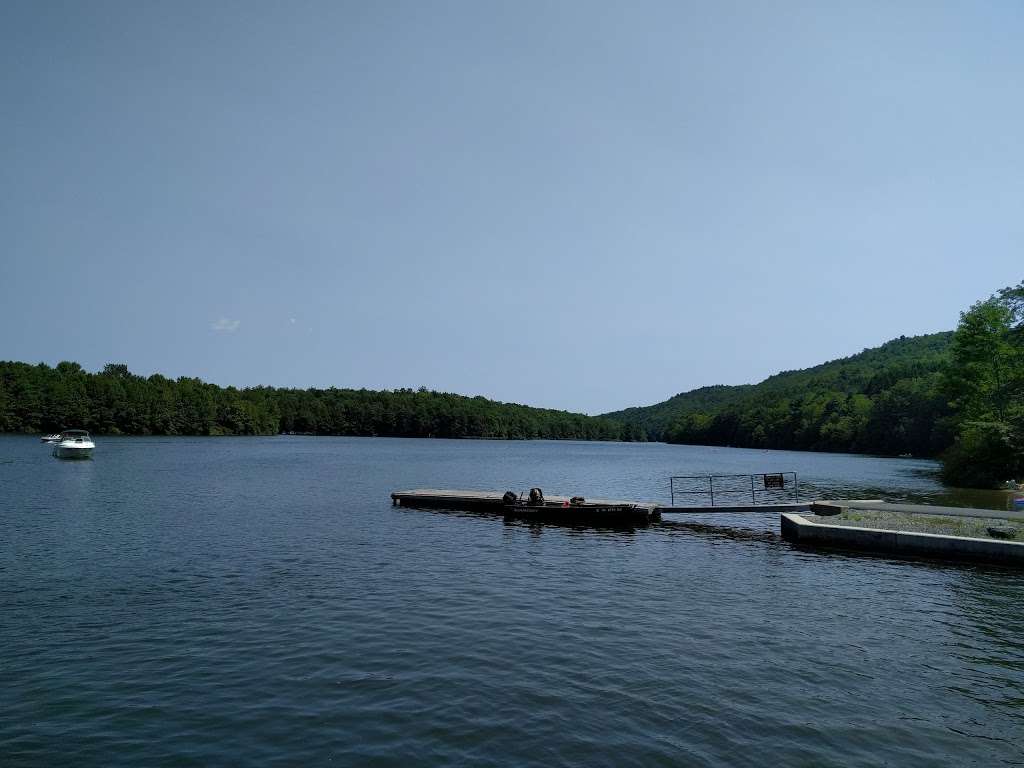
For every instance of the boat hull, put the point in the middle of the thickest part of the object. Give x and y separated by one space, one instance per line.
616 515
72 451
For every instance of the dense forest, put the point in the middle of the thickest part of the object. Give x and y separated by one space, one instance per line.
985 387
886 400
958 396
40 398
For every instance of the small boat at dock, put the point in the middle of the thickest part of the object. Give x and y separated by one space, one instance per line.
536 508
592 514
73 444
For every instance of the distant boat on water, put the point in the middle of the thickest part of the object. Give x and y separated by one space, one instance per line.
50 438
73 444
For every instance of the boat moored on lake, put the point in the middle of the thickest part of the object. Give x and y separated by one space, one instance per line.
73 444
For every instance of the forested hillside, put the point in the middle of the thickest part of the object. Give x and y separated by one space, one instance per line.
40 398
886 400
958 395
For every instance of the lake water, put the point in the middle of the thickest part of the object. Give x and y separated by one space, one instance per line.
259 601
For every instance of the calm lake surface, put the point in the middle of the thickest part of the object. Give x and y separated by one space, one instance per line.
231 601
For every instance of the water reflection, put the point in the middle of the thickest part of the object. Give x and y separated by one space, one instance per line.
719 531
986 645
73 479
537 528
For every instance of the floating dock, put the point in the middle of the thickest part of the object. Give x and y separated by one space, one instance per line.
592 511
557 509
616 513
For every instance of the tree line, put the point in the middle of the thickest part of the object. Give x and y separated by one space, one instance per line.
958 396
985 386
862 406
886 400
41 398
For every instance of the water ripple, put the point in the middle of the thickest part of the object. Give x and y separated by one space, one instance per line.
258 601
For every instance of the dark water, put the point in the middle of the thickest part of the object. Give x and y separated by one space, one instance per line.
258 601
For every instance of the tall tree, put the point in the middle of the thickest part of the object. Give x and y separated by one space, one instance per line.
985 383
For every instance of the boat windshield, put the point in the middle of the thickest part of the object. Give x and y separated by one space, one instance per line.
74 433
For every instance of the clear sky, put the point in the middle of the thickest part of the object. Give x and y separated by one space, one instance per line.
582 205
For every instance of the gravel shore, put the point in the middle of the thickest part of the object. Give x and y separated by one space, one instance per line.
974 527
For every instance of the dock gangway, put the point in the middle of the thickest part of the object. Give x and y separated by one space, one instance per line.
764 489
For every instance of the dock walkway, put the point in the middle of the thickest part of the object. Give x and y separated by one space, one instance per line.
615 513
592 510
424 497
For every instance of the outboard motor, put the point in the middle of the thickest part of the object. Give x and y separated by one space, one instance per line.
509 499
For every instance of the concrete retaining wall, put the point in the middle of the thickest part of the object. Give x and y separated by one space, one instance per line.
801 531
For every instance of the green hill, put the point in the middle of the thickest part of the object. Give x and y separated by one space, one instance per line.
885 400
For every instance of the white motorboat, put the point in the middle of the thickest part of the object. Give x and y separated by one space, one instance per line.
49 438
73 444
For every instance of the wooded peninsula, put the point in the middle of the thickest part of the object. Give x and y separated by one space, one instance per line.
957 395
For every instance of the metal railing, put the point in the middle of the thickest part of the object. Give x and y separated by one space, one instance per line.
734 490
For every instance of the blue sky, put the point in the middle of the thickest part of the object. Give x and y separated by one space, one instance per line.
580 205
